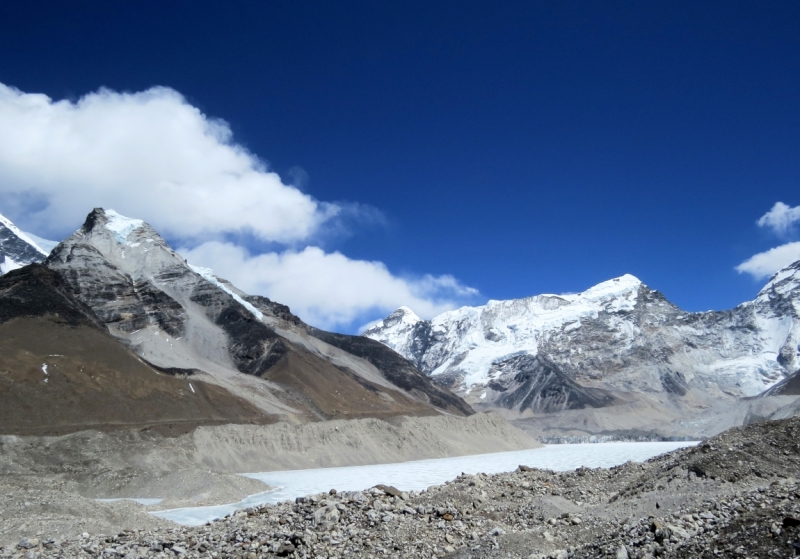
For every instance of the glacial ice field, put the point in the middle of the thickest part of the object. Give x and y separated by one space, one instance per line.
421 474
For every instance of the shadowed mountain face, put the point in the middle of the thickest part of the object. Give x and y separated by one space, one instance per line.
184 319
398 370
540 387
37 291
60 370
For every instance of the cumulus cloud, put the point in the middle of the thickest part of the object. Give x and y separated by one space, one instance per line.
328 289
151 155
780 219
764 264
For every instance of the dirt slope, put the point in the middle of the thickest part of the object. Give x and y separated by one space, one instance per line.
60 370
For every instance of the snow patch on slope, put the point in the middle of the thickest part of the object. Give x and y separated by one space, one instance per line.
121 226
9 264
46 245
208 274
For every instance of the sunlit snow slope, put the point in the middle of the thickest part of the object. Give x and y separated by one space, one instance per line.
555 352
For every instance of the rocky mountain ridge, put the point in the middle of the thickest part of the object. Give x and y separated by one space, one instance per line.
185 321
615 344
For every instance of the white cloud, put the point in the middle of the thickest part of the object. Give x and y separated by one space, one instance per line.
151 155
328 289
764 264
781 218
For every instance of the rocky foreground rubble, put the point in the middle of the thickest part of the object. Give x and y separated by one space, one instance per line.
732 496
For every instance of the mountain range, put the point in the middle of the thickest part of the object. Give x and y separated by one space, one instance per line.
115 329
616 358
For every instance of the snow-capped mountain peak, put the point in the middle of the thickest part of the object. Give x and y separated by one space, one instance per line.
622 291
16 248
405 315
466 342
618 334
784 283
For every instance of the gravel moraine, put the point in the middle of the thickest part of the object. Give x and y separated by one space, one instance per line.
733 496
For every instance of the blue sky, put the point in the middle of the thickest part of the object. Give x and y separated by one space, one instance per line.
476 150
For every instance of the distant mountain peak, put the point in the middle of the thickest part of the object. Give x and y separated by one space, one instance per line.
407 314
618 334
5 222
784 283
16 248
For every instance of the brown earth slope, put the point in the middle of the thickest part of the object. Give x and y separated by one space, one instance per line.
60 370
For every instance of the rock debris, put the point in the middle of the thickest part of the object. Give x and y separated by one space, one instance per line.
735 495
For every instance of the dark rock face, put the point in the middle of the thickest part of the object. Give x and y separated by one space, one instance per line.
121 300
254 347
790 386
395 368
272 308
539 386
37 291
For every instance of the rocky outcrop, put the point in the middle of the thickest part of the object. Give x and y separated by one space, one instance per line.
36 291
539 386
397 370
790 386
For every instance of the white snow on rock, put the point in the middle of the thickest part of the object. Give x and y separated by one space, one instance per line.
619 333
121 226
783 283
208 274
477 336
9 264
14 229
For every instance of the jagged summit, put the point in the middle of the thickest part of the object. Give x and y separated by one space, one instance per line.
16 248
406 311
120 225
403 315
